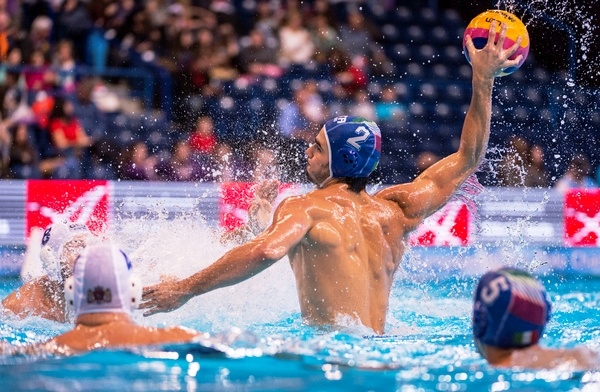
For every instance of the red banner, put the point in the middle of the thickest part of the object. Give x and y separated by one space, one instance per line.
234 203
81 201
236 198
582 217
447 227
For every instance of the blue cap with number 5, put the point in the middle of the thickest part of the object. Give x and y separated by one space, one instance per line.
354 146
510 309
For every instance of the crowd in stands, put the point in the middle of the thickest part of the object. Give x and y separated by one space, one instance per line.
245 86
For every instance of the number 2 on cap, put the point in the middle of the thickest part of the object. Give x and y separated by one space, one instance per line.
363 135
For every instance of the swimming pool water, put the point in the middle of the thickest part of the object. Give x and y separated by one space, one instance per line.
428 347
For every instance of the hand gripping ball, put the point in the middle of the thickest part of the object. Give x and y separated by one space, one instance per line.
479 28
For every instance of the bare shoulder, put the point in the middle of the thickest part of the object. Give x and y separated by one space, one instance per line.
296 203
398 193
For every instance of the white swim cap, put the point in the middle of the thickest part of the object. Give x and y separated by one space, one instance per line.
53 241
102 282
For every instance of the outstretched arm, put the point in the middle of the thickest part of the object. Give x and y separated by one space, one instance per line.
434 187
290 225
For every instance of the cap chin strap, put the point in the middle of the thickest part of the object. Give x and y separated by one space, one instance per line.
328 179
321 185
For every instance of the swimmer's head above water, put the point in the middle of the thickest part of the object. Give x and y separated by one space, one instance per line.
103 282
510 309
354 147
61 244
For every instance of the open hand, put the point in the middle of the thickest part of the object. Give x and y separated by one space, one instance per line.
489 61
165 296
267 190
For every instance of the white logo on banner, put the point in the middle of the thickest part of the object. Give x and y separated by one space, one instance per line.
81 208
441 224
591 224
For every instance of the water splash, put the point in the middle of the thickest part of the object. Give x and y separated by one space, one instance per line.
185 244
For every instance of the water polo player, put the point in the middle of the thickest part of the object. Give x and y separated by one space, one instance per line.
510 312
61 243
344 245
102 293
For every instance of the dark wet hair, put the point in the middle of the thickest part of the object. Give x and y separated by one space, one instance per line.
356 184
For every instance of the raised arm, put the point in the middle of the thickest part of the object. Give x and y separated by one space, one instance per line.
434 187
290 224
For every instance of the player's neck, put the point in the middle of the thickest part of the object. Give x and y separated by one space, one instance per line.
498 356
332 182
98 319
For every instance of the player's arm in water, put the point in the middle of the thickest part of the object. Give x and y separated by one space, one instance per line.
434 187
291 223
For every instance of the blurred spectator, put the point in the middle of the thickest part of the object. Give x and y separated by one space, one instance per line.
42 107
64 126
363 106
357 35
24 159
348 74
513 167
258 57
64 66
180 166
229 166
298 117
577 174
11 94
118 17
179 59
5 35
73 23
295 43
388 108
92 119
298 125
203 140
267 19
104 160
204 61
5 146
324 36
38 74
38 39
137 164
14 58
225 50
266 165
379 65
537 176
68 138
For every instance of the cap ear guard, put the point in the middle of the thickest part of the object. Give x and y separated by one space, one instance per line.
70 292
135 291
349 159
479 320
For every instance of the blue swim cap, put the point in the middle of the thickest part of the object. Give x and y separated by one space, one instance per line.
510 310
354 146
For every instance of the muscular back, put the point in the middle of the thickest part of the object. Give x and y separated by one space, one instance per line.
346 262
